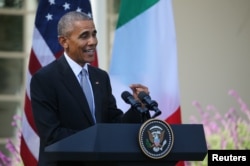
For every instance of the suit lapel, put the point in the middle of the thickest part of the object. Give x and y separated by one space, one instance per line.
72 85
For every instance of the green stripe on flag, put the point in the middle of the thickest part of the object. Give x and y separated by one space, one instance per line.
135 8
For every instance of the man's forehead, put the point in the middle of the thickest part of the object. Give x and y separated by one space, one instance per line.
88 24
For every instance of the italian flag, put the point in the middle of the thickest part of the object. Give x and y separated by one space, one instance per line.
144 51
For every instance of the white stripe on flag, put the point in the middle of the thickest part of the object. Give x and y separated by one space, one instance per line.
28 79
41 49
31 138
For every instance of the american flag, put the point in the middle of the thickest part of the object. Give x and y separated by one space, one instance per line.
45 49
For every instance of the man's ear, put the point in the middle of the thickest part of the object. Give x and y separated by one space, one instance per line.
63 41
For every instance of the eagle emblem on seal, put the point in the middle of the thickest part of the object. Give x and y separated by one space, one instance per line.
156 137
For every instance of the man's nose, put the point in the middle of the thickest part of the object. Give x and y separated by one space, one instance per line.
92 40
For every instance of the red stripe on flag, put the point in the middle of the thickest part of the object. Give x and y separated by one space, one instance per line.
95 63
29 113
180 163
34 64
57 55
27 156
175 118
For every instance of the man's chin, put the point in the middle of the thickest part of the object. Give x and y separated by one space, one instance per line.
91 60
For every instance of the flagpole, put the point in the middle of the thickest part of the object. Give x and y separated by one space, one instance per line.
99 11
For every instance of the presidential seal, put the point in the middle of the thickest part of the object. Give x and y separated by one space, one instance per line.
156 138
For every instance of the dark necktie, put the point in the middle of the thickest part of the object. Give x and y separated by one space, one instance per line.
87 91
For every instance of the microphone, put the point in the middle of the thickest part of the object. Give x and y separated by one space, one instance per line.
129 99
150 104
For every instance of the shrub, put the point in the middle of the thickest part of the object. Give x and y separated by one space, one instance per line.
229 131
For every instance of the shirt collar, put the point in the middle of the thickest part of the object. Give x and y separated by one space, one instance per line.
75 66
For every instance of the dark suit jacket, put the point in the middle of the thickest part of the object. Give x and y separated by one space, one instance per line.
60 108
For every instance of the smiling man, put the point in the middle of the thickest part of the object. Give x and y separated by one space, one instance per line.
69 95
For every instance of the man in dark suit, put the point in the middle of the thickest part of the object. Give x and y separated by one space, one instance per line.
59 104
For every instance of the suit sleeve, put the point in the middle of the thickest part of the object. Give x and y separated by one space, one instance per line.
45 111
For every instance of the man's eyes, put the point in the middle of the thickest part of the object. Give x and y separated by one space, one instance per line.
87 35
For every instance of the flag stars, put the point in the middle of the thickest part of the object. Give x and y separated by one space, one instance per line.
79 9
89 14
51 2
66 6
49 16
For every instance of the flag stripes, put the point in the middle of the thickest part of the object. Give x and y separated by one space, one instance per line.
45 49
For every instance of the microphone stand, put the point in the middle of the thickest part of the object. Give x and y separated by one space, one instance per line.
145 115
157 113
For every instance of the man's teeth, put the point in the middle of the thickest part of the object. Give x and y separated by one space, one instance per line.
89 51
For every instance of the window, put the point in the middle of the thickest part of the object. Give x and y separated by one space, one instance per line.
16 19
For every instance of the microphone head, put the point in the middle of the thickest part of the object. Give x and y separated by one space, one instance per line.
142 95
125 96
146 99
